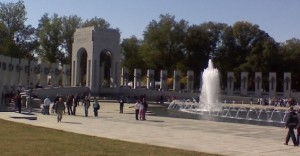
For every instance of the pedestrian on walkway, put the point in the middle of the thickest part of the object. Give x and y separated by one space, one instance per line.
144 102
121 105
75 103
69 104
59 108
141 111
137 109
96 106
291 124
18 100
298 127
86 105
46 106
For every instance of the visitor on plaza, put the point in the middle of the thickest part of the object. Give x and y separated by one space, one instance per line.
145 104
137 109
59 108
86 105
291 124
46 106
96 106
18 100
69 104
298 128
141 111
121 102
75 103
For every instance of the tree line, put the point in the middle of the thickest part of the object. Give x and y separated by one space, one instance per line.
167 44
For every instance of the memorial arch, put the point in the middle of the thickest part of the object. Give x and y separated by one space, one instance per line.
96 58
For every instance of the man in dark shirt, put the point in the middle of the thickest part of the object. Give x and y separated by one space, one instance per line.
291 124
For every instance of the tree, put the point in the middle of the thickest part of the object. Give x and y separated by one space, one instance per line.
69 25
290 54
51 38
163 46
131 55
13 16
97 22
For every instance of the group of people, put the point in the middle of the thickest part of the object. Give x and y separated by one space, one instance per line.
141 107
70 104
293 122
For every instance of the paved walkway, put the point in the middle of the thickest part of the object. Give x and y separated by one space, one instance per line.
196 135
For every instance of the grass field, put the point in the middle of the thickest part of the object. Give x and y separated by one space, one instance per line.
22 139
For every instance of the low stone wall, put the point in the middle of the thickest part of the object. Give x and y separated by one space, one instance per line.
42 93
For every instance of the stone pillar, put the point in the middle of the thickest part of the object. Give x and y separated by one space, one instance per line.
190 80
287 80
13 72
55 74
258 83
244 83
137 78
23 74
4 67
44 71
1 83
272 84
34 71
176 80
163 80
230 83
150 79
124 77
66 79
200 81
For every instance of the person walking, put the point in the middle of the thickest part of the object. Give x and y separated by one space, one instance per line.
96 106
291 124
46 106
18 100
59 108
137 109
145 107
141 111
298 128
121 105
75 104
69 104
86 105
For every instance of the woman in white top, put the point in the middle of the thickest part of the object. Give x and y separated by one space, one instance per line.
137 109
142 117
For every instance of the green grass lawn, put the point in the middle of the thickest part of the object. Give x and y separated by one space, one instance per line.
22 139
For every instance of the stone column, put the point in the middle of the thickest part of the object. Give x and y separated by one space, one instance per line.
258 83
1 83
23 75
176 80
163 80
272 84
66 79
137 78
13 72
287 80
124 77
244 83
44 71
190 80
34 71
55 74
230 83
150 79
4 67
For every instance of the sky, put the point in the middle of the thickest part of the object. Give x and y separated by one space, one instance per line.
279 18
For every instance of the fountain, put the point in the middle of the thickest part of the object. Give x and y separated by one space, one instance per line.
209 107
